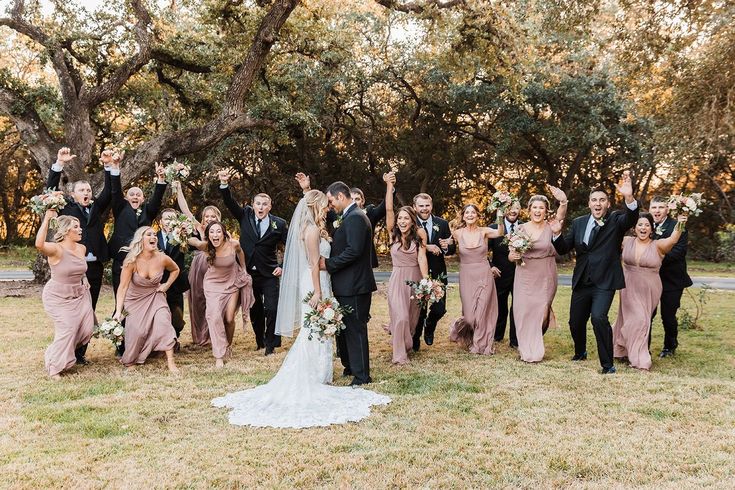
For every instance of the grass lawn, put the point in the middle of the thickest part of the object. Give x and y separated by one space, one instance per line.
456 420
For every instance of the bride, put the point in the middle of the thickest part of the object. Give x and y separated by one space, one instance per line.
300 395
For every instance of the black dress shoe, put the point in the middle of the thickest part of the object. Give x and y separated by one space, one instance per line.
177 347
416 345
347 372
580 357
82 361
666 353
610 370
258 347
269 351
429 339
356 382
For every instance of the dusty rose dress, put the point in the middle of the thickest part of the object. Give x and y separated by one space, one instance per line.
223 279
67 301
637 301
534 288
476 327
404 311
197 301
148 325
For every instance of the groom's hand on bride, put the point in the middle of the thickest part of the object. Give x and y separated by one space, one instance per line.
322 264
278 272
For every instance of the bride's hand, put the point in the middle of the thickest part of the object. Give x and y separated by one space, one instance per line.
315 299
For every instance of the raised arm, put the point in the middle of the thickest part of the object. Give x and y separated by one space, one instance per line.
111 162
63 156
49 249
390 214
154 203
423 261
561 197
197 243
665 245
304 182
173 273
183 205
631 205
125 276
357 232
224 189
500 231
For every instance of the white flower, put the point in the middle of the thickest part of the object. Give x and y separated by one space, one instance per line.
435 228
328 314
691 204
335 224
118 331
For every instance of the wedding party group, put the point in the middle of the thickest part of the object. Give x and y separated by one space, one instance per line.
322 290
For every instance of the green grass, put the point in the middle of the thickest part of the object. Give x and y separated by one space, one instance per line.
456 420
16 257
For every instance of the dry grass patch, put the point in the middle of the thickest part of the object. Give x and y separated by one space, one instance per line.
456 420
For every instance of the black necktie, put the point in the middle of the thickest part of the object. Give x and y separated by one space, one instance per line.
257 226
512 228
426 229
593 234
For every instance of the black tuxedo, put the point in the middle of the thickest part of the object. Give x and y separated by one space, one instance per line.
127 221
504 285
175 294
375 213
437 267
353 282
261 257
674 279
93 236
598 273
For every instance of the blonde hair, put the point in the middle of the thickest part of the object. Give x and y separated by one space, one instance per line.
63 225
262 195
136 245
214 209
540 198
422 195
316 203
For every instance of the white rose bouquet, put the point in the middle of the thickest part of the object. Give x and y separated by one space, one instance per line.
428 291
324 321
112 330
181 230
48 199
690 205
501 201
176 171
518 242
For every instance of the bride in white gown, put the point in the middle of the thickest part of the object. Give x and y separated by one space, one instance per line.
299 395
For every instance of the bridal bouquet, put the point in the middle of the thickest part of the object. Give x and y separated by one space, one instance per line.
501 201
428 291
48 199
181 230
176 171
112 330
518 242
681 204
324 321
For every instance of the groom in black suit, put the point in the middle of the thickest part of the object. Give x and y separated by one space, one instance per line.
261 233
439 245
673 272
597 239
353 282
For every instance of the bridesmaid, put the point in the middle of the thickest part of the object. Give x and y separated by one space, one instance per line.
226 286
535 281
642 258
476 327
408 254
197 269
142 296
66 296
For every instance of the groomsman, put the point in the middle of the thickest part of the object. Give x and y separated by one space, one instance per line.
261 233
673 272
90 213
175 294
597 238
439 245
504 271
130 211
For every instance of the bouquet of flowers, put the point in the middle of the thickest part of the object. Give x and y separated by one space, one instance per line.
325 321
501 201
681 204
48 199
518 242
176 171
111 329
428 291
181 230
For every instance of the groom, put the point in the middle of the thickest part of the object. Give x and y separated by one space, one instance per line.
353 282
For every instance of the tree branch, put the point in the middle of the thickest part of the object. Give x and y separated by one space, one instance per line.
419 7
169 59
32 130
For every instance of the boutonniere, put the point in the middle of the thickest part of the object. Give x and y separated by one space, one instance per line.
435 228
660 230
273 225
138 212
337 222
600 222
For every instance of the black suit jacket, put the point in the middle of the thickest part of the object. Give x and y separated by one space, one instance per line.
127 220
374 213
673 271
181 284
260 252
93 229
600 261
349 262
437 264
500 259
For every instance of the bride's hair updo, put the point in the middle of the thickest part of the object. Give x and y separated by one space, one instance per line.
316 203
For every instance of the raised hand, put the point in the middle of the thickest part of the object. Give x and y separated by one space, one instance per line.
304 181
117 158
389 178
555 226
64 156
682 218
626 186
50 214
160 173
223 176
558 194
106 158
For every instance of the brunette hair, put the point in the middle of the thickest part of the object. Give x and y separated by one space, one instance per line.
211 250
413 232
460 217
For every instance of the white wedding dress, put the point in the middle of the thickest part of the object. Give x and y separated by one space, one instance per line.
298 396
